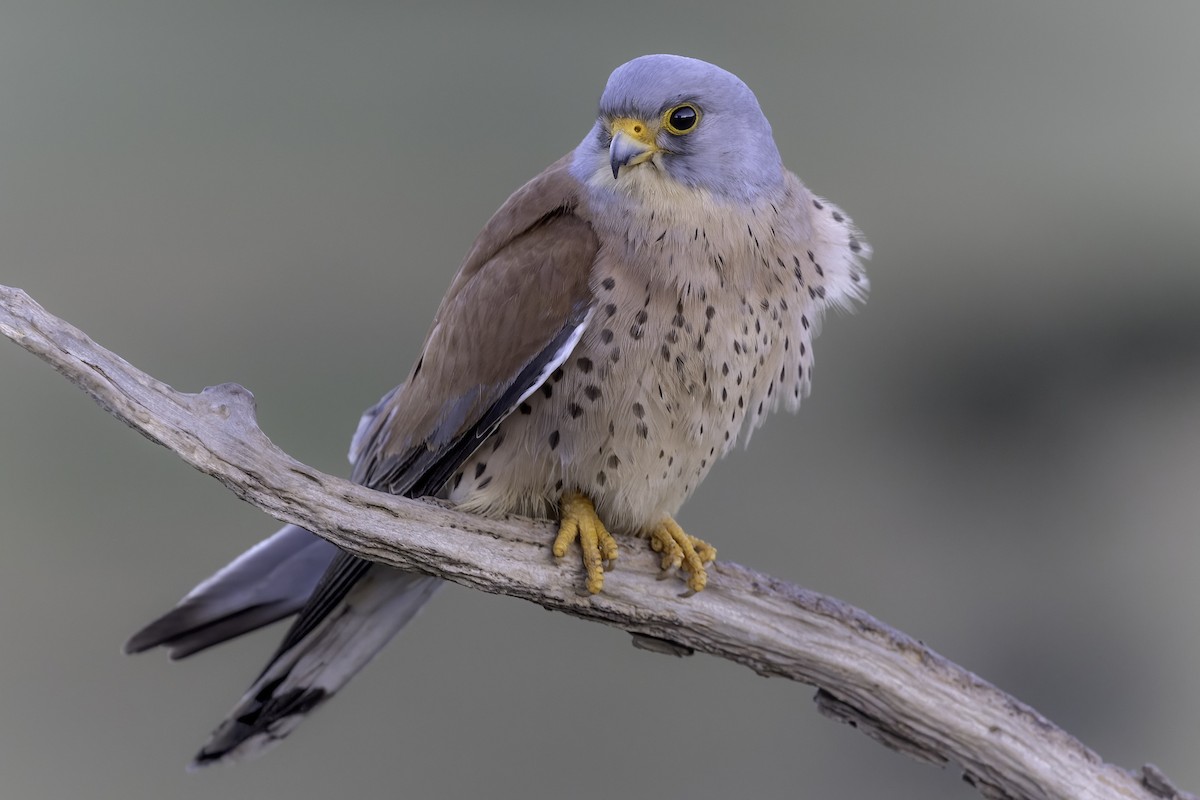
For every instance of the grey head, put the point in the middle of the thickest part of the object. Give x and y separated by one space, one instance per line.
692 120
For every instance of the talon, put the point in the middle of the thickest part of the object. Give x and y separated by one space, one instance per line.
683 551
578 520
672 557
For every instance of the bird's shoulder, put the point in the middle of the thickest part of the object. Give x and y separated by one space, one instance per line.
552 194
530 266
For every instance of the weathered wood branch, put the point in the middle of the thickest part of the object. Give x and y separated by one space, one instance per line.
869 675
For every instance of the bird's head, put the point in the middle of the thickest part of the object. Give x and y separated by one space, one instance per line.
678 119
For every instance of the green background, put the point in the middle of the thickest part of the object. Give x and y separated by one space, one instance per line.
1000 456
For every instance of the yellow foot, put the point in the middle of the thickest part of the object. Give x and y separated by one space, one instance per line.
578 520
679 550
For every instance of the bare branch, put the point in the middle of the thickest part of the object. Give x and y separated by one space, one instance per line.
869 675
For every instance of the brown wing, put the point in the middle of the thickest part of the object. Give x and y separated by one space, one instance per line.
511 315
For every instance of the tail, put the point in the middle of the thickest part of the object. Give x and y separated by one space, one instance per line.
348 610
324 648
270 581
311 667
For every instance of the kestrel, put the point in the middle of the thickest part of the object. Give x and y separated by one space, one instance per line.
622 319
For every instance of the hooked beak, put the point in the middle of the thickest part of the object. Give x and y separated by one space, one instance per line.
632 143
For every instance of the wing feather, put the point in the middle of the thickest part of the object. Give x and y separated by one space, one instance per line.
493 335
512 315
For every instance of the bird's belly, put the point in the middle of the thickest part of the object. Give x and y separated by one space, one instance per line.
635 418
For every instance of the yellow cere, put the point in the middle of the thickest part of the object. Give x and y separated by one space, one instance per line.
635 129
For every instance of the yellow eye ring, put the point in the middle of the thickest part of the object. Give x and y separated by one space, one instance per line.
681 119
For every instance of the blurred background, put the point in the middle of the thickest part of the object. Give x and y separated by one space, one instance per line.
1000 457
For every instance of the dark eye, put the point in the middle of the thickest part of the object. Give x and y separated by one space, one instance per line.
681 119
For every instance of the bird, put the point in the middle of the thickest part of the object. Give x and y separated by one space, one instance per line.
620 323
